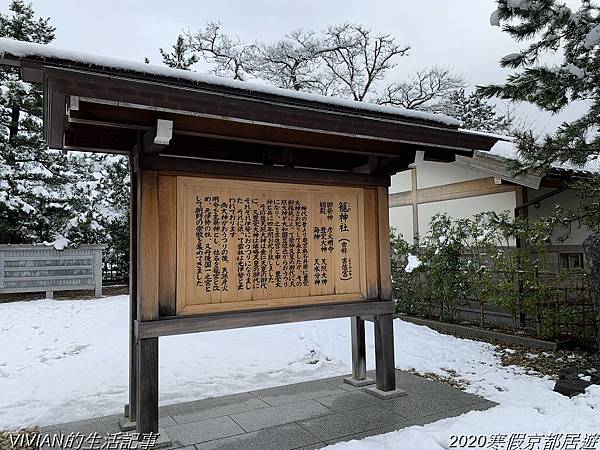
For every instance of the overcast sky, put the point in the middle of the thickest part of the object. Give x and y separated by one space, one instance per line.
452 33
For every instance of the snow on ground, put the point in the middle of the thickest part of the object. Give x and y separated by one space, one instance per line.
67 360
62 361
527 403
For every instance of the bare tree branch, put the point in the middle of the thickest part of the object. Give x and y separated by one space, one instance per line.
360 58
228 55
423 89
294 62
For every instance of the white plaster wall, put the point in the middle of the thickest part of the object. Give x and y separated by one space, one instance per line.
401 221
401 217
435 174
431 173
401 182
568 200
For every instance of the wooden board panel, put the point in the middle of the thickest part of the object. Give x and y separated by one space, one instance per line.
372 244
249 244
385 270
167 200
148 252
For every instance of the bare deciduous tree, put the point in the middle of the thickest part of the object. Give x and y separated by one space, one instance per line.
345 60
423 90
228 55
294 62
359 58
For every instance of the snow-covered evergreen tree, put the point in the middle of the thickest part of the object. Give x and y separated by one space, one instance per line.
573 35
43 193
475 113
180 56
30 189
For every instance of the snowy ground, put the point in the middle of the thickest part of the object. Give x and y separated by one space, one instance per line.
67 360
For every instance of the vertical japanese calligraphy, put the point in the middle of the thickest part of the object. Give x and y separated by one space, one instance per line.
257 243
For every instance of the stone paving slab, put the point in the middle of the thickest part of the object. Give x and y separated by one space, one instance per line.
284 437
205 430
301 416
414 406
216 407
372 432
350 422
279 415
424 420
297 392
348 401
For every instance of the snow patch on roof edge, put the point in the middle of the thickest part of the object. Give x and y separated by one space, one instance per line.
27 49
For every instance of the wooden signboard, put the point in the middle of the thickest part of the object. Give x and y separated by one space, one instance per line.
244 245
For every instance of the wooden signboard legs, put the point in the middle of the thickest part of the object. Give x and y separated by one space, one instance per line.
359 352
384 326
147 417
383 323
131 409
147 294
384 353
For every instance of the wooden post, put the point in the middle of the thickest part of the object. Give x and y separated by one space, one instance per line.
520 211
98 273
385 376
359 350
415 205
384 327
359 354
147 414
147 294
131 410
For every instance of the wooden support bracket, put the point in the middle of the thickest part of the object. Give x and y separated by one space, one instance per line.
158 138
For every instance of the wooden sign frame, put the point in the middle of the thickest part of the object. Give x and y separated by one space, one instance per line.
166 190
158 312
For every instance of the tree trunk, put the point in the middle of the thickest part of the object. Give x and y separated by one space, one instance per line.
13 128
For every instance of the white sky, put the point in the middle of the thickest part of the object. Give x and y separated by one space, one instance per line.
452 33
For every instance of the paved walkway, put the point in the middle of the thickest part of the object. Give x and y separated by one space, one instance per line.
306 415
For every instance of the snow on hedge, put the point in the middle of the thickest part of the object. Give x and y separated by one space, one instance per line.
412 264
26 49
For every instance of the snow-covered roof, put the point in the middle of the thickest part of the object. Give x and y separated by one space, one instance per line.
507 149
17 49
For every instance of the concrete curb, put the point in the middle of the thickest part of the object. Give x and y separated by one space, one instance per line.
478 333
